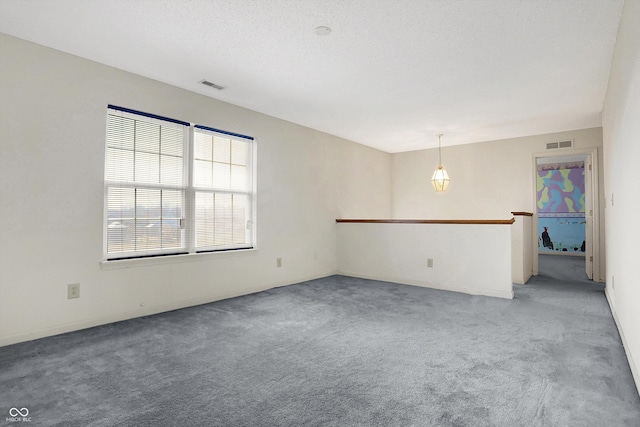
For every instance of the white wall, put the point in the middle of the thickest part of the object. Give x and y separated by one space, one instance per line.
469 258
52 128
522 249
489 180
621 128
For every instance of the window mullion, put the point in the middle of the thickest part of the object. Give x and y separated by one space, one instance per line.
150 186
135 153
135 218
222 190
190 193
160 182
160 155
161 220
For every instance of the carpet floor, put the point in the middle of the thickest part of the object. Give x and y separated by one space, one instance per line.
339 351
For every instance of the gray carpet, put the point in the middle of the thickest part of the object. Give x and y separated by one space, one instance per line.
339 351
562 268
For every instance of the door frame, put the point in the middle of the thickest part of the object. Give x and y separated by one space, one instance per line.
592 191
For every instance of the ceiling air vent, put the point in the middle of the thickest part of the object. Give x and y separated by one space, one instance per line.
559 144
213 85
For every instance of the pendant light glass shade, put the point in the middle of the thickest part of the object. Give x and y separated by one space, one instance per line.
440 178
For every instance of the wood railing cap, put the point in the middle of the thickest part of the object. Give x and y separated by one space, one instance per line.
428 221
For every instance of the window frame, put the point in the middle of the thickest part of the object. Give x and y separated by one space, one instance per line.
187 249
250 192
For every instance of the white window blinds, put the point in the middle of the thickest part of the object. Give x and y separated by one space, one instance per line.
223 187
159 202
145 185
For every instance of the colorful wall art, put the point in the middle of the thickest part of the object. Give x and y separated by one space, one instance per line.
563 234
561 187
561 207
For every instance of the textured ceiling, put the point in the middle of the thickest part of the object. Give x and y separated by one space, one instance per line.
391 74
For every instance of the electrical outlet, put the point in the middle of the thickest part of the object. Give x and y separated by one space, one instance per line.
430 262
278 262
73 290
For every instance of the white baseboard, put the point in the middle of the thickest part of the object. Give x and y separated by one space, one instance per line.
560 253
520 280
469 291
632 365
118 317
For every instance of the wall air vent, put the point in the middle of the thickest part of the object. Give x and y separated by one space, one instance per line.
565 144
213 85
559 144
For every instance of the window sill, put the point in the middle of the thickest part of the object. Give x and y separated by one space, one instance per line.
173 259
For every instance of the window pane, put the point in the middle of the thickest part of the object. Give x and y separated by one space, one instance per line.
204 219
223 214
172 205
148 219
147 137
119 165
203 146
147 168
120 219
221 149
120 132
171 170
202 174
239 219
221 175
171 141
238 177
239 152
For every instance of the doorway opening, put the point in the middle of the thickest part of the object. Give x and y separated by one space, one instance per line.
563 225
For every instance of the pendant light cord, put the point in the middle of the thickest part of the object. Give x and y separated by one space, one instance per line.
439 151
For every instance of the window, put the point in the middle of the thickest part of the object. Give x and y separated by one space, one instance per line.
175 188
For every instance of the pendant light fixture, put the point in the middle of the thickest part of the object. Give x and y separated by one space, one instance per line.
440 178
